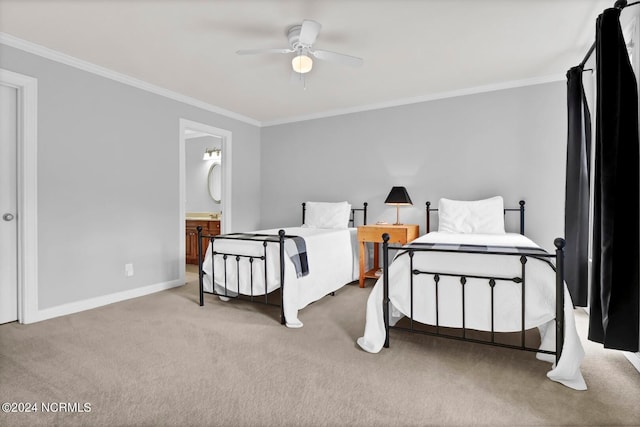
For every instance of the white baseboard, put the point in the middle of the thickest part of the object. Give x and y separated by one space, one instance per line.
634 358
88 304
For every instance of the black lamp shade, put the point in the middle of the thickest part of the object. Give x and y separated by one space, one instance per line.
398 196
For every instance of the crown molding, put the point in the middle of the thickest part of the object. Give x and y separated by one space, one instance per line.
63 58
54 55
415 100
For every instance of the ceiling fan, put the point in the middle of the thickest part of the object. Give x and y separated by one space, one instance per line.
301 39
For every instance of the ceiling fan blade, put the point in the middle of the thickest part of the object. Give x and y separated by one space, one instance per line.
309 32
337 57
256 51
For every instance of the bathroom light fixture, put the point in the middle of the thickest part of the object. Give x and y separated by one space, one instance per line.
398 196
212 154
302 64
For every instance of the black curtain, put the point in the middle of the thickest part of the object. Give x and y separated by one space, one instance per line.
613 318
576 214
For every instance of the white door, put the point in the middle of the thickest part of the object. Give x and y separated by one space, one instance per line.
8 205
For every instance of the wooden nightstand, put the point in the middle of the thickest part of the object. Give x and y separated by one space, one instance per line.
401 234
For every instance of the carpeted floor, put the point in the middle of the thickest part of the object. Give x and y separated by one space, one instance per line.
163 360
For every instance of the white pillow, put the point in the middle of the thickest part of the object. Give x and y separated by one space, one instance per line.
479 216
327 215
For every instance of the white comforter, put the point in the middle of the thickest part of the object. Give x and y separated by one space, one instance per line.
332 257
540 298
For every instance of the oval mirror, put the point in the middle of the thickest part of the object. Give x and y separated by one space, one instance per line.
215 182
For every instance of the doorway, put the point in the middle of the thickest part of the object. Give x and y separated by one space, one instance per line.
18 198
205 138
8 204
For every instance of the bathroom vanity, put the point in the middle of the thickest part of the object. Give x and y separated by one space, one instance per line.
210 224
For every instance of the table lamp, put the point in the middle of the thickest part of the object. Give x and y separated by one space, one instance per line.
398 196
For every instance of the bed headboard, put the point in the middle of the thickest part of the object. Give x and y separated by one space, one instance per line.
352 217
520 209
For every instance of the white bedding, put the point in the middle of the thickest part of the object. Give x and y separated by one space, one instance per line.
540 298
332 257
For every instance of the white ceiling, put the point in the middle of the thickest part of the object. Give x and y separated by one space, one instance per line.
412 49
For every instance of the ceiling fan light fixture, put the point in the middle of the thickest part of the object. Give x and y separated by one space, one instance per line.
302 64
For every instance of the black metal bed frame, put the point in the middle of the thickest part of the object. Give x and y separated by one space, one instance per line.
258 238
410 250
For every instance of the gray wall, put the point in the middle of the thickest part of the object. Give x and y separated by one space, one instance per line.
102 201
509 142
197 175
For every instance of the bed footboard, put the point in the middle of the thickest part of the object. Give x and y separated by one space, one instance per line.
264 240
524 255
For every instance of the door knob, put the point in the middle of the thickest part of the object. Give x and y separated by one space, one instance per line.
8 217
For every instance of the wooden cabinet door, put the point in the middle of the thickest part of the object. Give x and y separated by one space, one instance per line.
191 254
214 228
209 228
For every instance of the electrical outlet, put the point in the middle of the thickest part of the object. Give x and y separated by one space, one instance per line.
128 270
